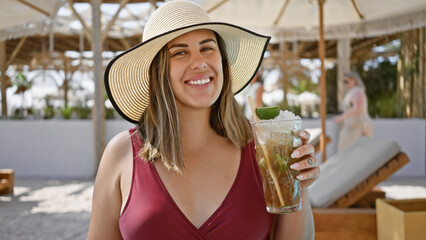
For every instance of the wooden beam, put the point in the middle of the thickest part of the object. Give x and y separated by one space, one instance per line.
116 45
86 29
125 43
16 51
357 10
364 44
114 18
279 16
154 4
34 7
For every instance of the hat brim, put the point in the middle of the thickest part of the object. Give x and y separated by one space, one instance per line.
126 76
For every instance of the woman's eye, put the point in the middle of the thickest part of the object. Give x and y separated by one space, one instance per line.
206 49
179 53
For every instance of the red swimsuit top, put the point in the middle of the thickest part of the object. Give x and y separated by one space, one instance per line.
150 212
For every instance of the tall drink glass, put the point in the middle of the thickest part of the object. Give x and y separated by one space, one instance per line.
275 141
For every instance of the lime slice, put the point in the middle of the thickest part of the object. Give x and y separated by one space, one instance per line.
265 113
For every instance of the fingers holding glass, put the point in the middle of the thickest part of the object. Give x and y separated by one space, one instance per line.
306 149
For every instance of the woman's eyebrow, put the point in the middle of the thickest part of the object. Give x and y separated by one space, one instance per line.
186 45
178 45
207 40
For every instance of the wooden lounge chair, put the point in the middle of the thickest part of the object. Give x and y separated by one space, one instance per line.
366 186
348 177
6 181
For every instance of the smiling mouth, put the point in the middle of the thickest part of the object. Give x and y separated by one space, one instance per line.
199 82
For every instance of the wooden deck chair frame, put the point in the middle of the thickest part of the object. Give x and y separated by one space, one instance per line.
368 184
317 145
342 221
316 134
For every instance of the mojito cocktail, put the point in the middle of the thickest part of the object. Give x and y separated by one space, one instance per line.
275 141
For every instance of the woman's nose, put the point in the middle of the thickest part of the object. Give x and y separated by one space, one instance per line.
198 61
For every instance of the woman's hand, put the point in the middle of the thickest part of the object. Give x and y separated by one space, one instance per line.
308 164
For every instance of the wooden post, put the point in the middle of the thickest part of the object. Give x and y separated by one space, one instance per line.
114 18
99 111
411 73
65 84
420 95
323 90
3 68
343 66
422 68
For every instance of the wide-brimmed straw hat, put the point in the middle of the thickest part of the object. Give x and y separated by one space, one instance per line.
127 75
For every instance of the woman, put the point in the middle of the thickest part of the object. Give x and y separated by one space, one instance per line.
188 170
355 119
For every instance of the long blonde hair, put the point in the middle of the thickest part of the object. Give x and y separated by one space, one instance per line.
159 124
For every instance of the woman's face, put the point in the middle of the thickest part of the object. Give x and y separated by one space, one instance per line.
196 75
349 82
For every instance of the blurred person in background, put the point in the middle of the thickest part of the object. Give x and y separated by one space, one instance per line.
355 119
255 91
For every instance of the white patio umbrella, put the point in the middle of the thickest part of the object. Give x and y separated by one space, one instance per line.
15 16
318 20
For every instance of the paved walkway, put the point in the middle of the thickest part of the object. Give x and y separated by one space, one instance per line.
46 210
53 209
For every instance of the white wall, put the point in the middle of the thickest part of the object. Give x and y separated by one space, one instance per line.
51 148
410 134
65 148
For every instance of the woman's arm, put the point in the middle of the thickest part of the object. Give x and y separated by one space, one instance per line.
106 203
357 101
300 225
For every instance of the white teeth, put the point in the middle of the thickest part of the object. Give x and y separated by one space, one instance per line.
200 82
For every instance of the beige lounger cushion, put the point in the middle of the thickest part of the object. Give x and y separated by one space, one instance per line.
346 169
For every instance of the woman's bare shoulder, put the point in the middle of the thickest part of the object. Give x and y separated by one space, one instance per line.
116 161
120 140
118 149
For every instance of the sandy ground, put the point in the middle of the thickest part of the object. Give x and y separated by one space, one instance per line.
60 209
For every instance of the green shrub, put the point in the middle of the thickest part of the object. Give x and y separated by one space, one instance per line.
49 112
83 112
66 112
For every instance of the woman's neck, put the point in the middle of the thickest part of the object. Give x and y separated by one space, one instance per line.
195 128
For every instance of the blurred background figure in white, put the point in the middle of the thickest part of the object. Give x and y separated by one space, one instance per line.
355 119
